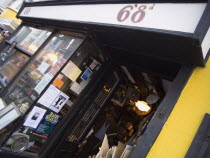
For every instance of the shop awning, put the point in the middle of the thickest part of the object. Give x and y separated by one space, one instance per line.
177 32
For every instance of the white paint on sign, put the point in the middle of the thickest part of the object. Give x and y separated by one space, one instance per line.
183 17
206 43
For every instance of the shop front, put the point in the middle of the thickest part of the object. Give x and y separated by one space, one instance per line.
107 77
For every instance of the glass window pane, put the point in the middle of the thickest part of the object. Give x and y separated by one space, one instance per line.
42 69
33 80
30 38
72 80
11 66
87 62
11 61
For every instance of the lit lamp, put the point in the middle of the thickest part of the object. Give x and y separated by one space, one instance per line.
142 108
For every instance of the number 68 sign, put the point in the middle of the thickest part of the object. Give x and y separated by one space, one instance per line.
136 16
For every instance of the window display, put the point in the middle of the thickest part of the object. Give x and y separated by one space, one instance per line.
58 100
37 75
42 69
12 58
11 66
30 39
78 72
111 105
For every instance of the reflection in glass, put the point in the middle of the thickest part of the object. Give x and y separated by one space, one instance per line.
30 38
35 78
11 66
42 69
6 53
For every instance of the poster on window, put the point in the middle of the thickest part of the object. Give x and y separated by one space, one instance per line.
34 117
71 71
50 94
47 124
53 99
59 102
55 68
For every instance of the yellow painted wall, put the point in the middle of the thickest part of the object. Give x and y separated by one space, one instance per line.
10 14
185 119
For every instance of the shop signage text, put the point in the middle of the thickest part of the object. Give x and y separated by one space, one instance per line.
137 16
183 17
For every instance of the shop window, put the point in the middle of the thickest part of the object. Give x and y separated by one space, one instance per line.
73 100
71 81
18 51
11 66
11 61
30 39
86 95
37 75
41 70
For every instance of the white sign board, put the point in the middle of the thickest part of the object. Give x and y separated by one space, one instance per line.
183 17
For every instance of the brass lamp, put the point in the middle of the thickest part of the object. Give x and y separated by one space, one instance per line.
142 108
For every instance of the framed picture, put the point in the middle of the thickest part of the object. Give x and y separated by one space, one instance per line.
8 114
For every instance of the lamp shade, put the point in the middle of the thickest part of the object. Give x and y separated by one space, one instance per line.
142 108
